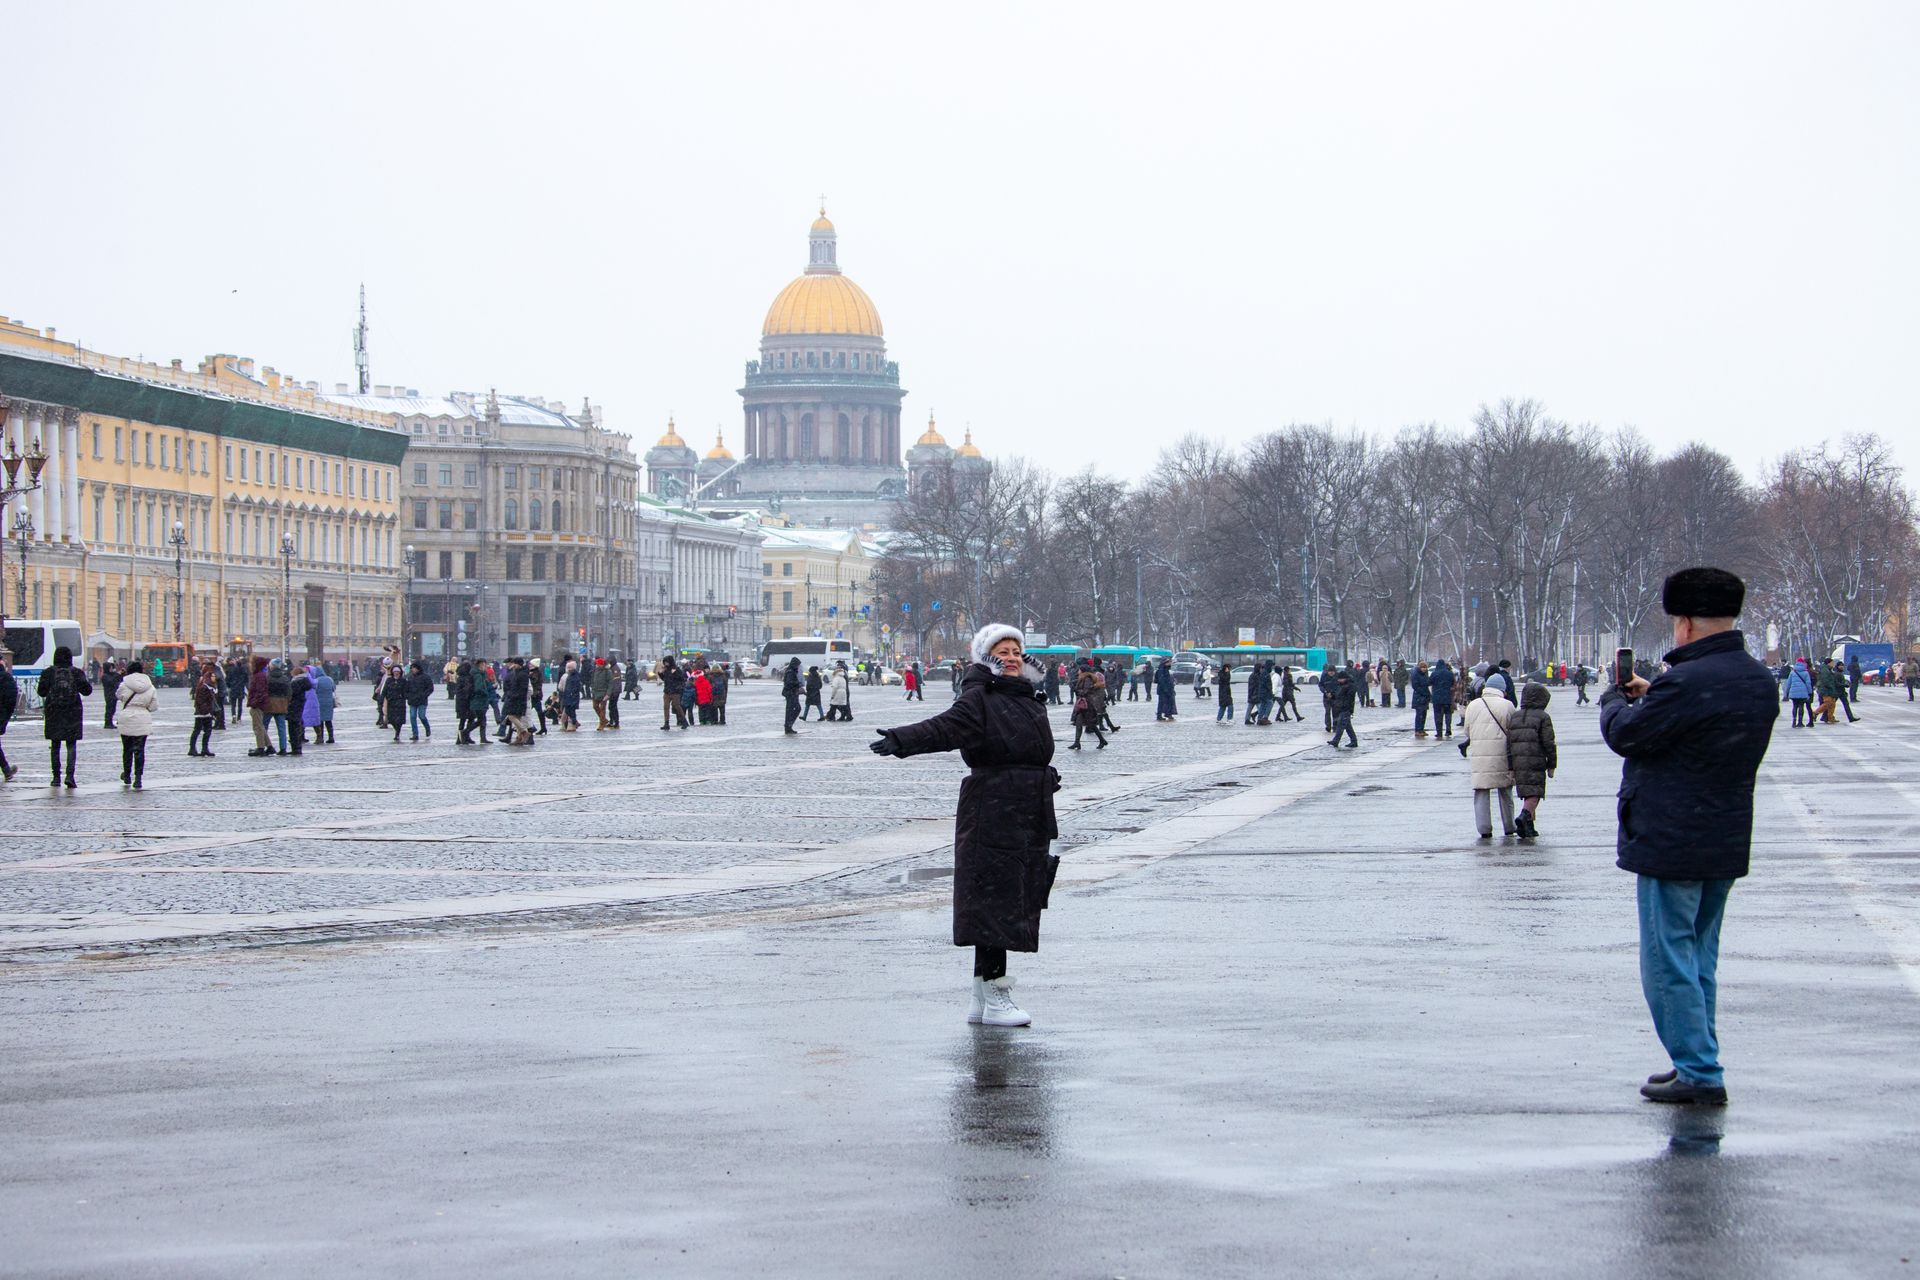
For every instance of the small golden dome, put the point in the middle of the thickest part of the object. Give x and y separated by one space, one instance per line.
720 449
820 223
823 303
968 448
672 439
931 435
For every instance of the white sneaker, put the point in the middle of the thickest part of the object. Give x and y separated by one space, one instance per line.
978 1009
1000 1009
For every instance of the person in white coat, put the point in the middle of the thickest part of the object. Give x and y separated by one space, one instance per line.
133 717
1485 747
839 695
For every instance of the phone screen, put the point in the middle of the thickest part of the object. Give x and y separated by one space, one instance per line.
1622 665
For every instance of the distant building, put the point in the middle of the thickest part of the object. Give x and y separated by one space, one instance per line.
818 582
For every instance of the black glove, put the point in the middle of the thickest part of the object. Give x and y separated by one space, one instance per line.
886 746
1463 750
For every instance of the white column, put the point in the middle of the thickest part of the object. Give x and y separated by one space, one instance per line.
70 435
37 500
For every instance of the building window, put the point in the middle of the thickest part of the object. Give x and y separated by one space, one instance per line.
203 464
118 454
469 515
766 601
146 439
96 441
446 515
533 513
510 514
766 570
510 477
513 566
525 609
446 564
559 517
786 569
419 473
99 517
419 513
786 633
560 566
786 601
469 564
534 474
446 473
273 470
539 566
470 476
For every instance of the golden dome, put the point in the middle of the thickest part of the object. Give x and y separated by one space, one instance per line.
823 303
720 449
969 449
672 439
820 223
931 435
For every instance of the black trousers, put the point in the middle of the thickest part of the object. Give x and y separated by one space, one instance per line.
133 756
201 739
73 750
793 712
989 962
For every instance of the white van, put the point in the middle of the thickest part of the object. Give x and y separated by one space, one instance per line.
33 640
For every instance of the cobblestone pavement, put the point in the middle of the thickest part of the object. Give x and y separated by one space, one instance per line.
367 834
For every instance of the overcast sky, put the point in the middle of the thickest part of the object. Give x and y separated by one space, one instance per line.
1088 229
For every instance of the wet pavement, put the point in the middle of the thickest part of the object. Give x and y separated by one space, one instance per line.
1304 1024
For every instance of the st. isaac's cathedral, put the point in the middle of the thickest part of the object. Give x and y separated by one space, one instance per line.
821 432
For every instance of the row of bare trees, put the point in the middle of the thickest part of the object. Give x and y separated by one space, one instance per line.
1520 536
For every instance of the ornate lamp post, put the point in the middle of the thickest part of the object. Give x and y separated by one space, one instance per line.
286 597
23 534
35 459
406 638
178 540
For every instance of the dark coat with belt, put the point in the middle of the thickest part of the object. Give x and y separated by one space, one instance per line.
1531 750
1693 743
1440 684
1002 867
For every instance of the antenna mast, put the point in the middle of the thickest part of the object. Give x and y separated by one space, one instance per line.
360 345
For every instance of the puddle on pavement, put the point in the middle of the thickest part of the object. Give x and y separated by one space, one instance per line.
919 874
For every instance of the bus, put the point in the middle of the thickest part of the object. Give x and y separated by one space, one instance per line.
813 651
32 641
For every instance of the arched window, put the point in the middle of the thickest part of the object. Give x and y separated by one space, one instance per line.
839 359
533 513
559 518
511 513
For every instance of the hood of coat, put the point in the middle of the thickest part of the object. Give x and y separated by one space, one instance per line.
1022 686
1534 697
135 684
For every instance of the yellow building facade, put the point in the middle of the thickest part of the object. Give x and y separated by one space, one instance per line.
202 505
816 582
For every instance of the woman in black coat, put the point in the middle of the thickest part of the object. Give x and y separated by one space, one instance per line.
60 689
1002 865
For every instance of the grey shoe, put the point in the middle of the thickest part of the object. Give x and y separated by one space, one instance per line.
1685 1093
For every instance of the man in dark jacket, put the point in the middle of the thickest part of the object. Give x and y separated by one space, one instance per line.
1346 687
1580 685
419 693
1164 706
790 690
1693 739
513 702
1440 685
1422 681
110 678
9 702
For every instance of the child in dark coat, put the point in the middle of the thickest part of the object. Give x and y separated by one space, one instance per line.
1531 754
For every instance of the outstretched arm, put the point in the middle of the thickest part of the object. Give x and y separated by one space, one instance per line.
959 726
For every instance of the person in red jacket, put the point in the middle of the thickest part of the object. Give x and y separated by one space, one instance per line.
703 694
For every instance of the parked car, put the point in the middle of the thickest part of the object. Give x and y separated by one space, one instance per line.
889 676
752 671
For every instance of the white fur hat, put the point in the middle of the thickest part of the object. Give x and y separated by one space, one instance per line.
992 634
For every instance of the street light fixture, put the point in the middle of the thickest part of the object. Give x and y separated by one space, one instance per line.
286 597
35 459
178 540
406 638
23 533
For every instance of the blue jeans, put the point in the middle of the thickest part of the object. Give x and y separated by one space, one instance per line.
1419 717
1224 713
1679 952
279 724
417 720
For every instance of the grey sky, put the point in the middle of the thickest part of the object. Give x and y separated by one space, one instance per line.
1089 229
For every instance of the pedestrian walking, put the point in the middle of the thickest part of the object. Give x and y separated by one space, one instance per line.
1401 679
1910 676
632 681
1223 695
1346 687
515 689
1840 690
1580 685
1089 705
1532 754
1799 689
570 688
1421 682
599 685
61 688
393 701
419 692
9 703
318 715
1289 692
299 696
279 697
1052 686
1165 707
722 680
1490 769
790 689
134 720
1854 675
1440 687
839 695
1692 738
812 687
111 674
1004 825
1828 686
614 685
481 698
208 695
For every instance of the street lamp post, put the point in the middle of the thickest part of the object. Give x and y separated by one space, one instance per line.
286 597
406 601
35 459
178 540
23 534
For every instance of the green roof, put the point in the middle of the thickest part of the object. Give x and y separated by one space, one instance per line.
91 391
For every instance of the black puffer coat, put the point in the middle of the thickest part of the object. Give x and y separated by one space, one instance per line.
1531 752
1002 868
65 718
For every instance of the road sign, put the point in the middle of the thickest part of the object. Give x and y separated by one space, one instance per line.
886 628
906 606
936 606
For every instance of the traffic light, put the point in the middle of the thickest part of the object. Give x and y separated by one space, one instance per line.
583 633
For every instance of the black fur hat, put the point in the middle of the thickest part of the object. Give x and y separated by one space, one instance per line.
1703 593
